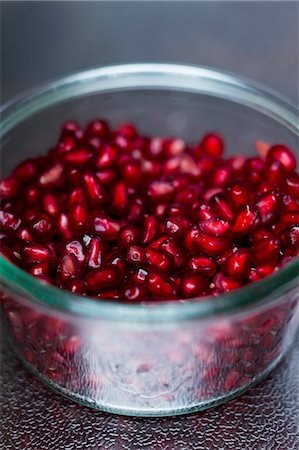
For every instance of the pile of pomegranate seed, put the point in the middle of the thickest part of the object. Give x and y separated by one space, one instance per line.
115 215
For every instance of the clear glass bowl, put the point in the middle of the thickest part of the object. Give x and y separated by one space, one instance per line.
164 358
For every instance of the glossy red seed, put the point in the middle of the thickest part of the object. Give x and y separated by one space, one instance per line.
202 264
238 264
33 252
289 218
98 128
131 173
9 188
99 279
52 177
77 156
106 177
193 285
171 247
238 193
190 239
78 217
128 235
202 212
265 247
290 237
269 205
135 255
106 157
25 171
160 287
215 226
211 245
76 248
63 227
276 173
225 284
9 222
213 145
50 205
24 233
282 154
95 193
75 286
160 191
120 197
42 228
68 267
221 207
134 293
105 227
138 276
177 226
246 220
39 269
76 196
95 253
31 195
150 229
292 184
160 260
71 128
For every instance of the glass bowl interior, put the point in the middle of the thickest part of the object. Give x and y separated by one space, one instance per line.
161 100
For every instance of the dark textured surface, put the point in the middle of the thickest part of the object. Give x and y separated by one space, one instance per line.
34 418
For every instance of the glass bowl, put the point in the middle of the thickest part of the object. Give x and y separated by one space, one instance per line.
164 358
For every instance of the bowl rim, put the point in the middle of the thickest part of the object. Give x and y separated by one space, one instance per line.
197 79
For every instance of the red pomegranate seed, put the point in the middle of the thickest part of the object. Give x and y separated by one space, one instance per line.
68 267
171 247
238 264
150 229
220 176
276 173
173 147
71 128
292 184
269 206
211 245
76 248
193 285
105 227
76 196
77 156
160 260
177 226
106 176
95 253
225 284
282 154
138 276
31 195
127 130
100 279
202 212
131 172
246 220
160 191
128 235
78 217
212 145
160 287
135 209
63 227
39 269
24 233
94 191
9 222
215 226
106 157
135 255
50 205
98 128
289 218
76 286
52 177
190 239
263 270
9 188
238 193
265 247
202 264
117 262
33 252
134 293
221 207
42 228
290 237
25 171
120 197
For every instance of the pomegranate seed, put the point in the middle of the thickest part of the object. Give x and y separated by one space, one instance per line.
95 253
158 259
9 222
160 191
94 191
68 267
246 220
238 193
211 245
24 233
131 173
225 284
238 264
202 264
160 287
52 177
33 252
173 147
75 286
139 276
276 173
9 188
25 171
63 227
135 254
50 205
31 195
106 176
290 237
171 247
177 226
190 239
221 207
76 248
73 129
76 196
134 293
193 285
39 269
99 279
107 157
128 235
42 228
289 218
105 227
150 229
265 247
78 217
127 130
215 226
282 154
120 197
212 145
292 184
98 128
203 212
269 205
